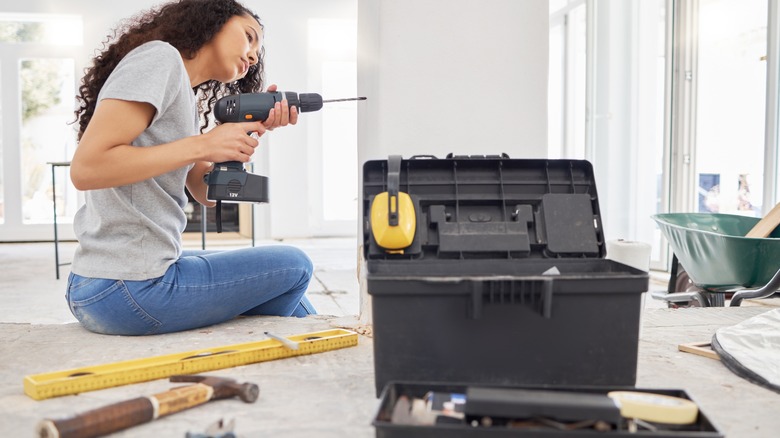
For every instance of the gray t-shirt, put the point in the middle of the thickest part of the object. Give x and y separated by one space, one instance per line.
133 232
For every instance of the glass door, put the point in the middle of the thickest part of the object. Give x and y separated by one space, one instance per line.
38 57
47 91
567 80
731 107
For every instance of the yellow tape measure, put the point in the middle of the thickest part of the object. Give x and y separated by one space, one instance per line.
48 385
657 408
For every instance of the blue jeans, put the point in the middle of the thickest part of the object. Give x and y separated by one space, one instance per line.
200 289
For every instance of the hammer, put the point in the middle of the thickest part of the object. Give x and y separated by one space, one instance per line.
118 416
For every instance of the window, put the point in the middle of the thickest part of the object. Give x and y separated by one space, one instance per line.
339 142
730 107
41 28
607 100
38 65
678 116
47 90
566 92
2 148
333 47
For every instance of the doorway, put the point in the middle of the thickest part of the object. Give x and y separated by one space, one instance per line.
38 58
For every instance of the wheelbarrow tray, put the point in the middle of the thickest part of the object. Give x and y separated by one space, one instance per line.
715 253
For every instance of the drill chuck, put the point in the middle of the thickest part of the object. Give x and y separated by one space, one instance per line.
309 102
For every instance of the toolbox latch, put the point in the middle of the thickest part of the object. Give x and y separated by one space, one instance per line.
536 294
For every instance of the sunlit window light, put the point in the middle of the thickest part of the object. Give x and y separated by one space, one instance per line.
20 28
333 37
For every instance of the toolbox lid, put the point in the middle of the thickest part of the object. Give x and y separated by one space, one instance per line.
486 207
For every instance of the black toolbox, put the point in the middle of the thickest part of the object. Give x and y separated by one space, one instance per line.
388 427
504 286
505 282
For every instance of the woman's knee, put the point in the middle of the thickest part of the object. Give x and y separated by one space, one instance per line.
298 258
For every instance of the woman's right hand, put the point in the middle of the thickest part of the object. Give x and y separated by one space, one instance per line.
232 142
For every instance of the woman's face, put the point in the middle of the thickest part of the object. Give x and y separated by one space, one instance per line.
235 48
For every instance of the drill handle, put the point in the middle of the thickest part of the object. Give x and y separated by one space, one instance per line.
229 165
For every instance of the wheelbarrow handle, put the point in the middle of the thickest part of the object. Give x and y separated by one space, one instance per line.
763 292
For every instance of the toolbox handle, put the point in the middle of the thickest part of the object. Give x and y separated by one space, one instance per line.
503 155
393 187
534 293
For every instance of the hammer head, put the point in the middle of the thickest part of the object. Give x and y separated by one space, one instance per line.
224 387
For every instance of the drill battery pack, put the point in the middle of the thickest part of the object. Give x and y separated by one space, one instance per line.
229 182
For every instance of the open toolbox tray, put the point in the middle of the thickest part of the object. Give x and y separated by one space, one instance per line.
702 428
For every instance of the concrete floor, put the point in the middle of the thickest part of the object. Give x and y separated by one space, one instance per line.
322 395
38 334
31 293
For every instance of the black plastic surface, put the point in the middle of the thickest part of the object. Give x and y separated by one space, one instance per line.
580 328
513 403
229 182
493 208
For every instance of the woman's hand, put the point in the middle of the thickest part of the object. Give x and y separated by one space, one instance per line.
281 114
231 142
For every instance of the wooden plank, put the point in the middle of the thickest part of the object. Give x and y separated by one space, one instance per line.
767 224
699 348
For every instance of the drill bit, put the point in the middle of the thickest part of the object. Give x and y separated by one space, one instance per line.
345 100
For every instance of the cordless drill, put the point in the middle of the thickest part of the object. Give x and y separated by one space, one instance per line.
229 181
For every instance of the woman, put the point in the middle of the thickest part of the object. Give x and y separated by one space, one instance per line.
139 146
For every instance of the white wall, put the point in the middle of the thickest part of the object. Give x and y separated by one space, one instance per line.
461 76
287 158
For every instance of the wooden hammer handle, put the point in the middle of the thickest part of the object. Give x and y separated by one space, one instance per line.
118 416
101 421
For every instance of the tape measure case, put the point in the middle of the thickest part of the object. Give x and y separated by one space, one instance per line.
505 281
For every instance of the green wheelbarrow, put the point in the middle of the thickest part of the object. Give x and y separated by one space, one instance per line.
717 259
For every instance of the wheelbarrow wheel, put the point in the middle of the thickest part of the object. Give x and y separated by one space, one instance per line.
681 291
683 283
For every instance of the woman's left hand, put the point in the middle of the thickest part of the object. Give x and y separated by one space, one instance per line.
281 114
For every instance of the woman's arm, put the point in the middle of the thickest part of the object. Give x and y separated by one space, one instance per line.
105 158
195 184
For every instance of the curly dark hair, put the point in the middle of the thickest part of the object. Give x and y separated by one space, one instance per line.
187 25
